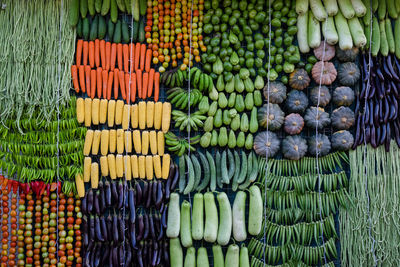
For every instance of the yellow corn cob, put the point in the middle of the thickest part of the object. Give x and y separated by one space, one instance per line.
157 166
149 167
80 185
105 139
166 117
125 117
87 165
95 111
142 167
104 166
134 116
128 141
137 141
134 166
145 142
142 115
88 142
80 111
150 114
127 166
153 142
111 113
165 165
96 142
119 109
111 166
120 141
88 112
113 140
103 111
158 107
94 175
160 143
119 164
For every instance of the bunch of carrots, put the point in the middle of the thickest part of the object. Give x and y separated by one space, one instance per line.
104 69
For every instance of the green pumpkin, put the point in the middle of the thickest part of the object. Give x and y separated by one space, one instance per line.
342 140
296 102
343 96
322 93
294 147
271 115
347 55
348 74
294 123
317 116
343 118
276 93
319 144
266 144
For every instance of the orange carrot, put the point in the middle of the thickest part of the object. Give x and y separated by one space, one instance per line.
91 54
85 52
137 56
109 84
108 55
93 79
116 83
125 50
156 86
139 82
103 53
151 81
145 84
127 87
75 80
105 81
142 56
99 82
121 76
79 47
131 56
133 87
113 55
148 60
97 52
119 57
82 78
87 76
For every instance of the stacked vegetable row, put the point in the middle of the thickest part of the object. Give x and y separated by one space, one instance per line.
301 203
34 149
205 224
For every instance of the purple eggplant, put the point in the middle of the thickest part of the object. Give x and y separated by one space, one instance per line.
132 209
90 201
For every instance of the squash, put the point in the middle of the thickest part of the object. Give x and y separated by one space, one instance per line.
342 140
277 92
328 70
343 118
327 55
294 123
294 147
343 96
347 55
271 115
319 144
348 74
299 79
266 144
324 96
316 116
296 102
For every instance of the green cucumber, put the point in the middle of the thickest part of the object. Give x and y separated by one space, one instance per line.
225 219
232 256
85 29
213 172
141 35
117 32
384 47
182 174
110 29
102 28
198 217
105 7
224 169
237 171
197 171
79 29
185 229
74 13
190 258
249 164
174 216
125 32
314 31
218 164
376 37
389 36
243 169
231 170
211 221
206 173
135 31
175 252
91 7
382 10
136 10
218 256
191 176
252 176
121 5
202 258
97 5
128 6
113 11
397 36
244 260
143 7
93 29
345 39
255 211
84 8
239 217
367 17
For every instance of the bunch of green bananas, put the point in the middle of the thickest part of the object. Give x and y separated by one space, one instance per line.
188 121
181 98
179 145
179 78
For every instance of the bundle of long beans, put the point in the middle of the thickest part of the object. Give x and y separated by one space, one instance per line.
36 52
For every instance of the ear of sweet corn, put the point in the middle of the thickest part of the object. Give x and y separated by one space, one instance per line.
111 166
105 138
128 169
128 141
80 110
111 113
88 142
149 167
88 112
160 143
153 142
134 166
142 115
80 185
134 116
113 140
104 166
96 142
158 107
165 165
157 166
145 142
119 165
119 110
166 117
120 141
137 141
94 175
142 167
125 117
87 165
95 111
150 114
103 111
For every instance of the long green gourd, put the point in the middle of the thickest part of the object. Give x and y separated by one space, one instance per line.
198 217
202 258
218 256
238 215
255 210
244 260
232 256
211 223
225 219
174 217
190 258
185 229
175 252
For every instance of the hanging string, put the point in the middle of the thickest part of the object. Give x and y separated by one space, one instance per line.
365 144
266 152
